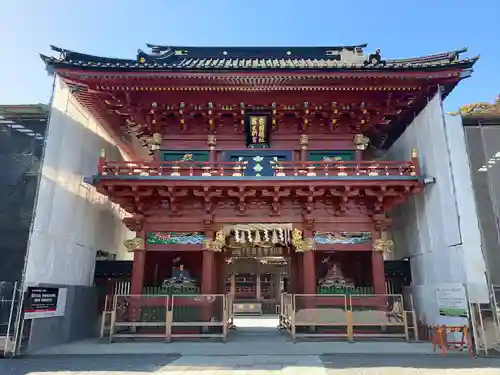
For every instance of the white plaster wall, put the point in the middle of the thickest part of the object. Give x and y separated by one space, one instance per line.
438 229
73 221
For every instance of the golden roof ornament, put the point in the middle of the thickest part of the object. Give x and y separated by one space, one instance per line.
304 140
157 138
218 244
361 141
383 245
154 142
480 108
300 244
134 244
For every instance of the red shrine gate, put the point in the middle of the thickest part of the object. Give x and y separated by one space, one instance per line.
253 150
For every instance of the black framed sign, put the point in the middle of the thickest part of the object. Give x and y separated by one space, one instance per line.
42 302
258 130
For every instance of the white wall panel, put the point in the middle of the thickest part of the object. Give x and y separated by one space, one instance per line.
72 220
428 228
471 255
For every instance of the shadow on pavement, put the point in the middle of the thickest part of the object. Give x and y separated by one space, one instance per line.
85 363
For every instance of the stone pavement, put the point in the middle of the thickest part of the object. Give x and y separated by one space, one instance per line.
248 365
256 336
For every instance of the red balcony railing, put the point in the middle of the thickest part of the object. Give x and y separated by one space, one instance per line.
281 169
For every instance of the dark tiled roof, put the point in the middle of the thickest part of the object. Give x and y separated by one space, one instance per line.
171 58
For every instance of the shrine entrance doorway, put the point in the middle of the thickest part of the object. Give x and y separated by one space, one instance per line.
255 278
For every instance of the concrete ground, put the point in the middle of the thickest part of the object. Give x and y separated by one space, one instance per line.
247 365
256 347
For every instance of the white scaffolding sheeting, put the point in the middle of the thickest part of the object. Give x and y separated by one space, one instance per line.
72 221
438 229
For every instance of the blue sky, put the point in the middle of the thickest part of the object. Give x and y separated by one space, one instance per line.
119 27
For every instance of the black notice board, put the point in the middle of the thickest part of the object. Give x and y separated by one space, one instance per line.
41 299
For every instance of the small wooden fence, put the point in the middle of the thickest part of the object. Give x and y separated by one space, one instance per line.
167 317
347 316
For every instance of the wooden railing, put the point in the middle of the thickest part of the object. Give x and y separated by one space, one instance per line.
281 169
346 168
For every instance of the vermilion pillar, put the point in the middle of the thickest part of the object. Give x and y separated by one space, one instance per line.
208 283
292 273
138 266
308 264
309 272
207 273
359 155
378 272
299 273
220 273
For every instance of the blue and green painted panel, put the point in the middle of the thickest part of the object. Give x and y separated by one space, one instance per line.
196 155
259 162
174 238
331 155
342 238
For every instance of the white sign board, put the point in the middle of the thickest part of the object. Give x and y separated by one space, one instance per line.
452 300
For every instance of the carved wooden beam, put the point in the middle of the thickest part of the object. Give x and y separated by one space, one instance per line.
135 111
276 194
208 194
173 193
241 193
135 223
344 194
382 222
309 193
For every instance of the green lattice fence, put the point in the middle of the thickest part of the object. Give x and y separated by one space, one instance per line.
361 290
188 313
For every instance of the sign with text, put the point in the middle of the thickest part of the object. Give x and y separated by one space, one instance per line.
452 300
42 302
257 129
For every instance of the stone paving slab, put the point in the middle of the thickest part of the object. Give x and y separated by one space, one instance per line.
248 346
249 365
409 364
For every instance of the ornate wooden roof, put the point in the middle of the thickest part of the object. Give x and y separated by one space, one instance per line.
335 58
196 86
480 110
